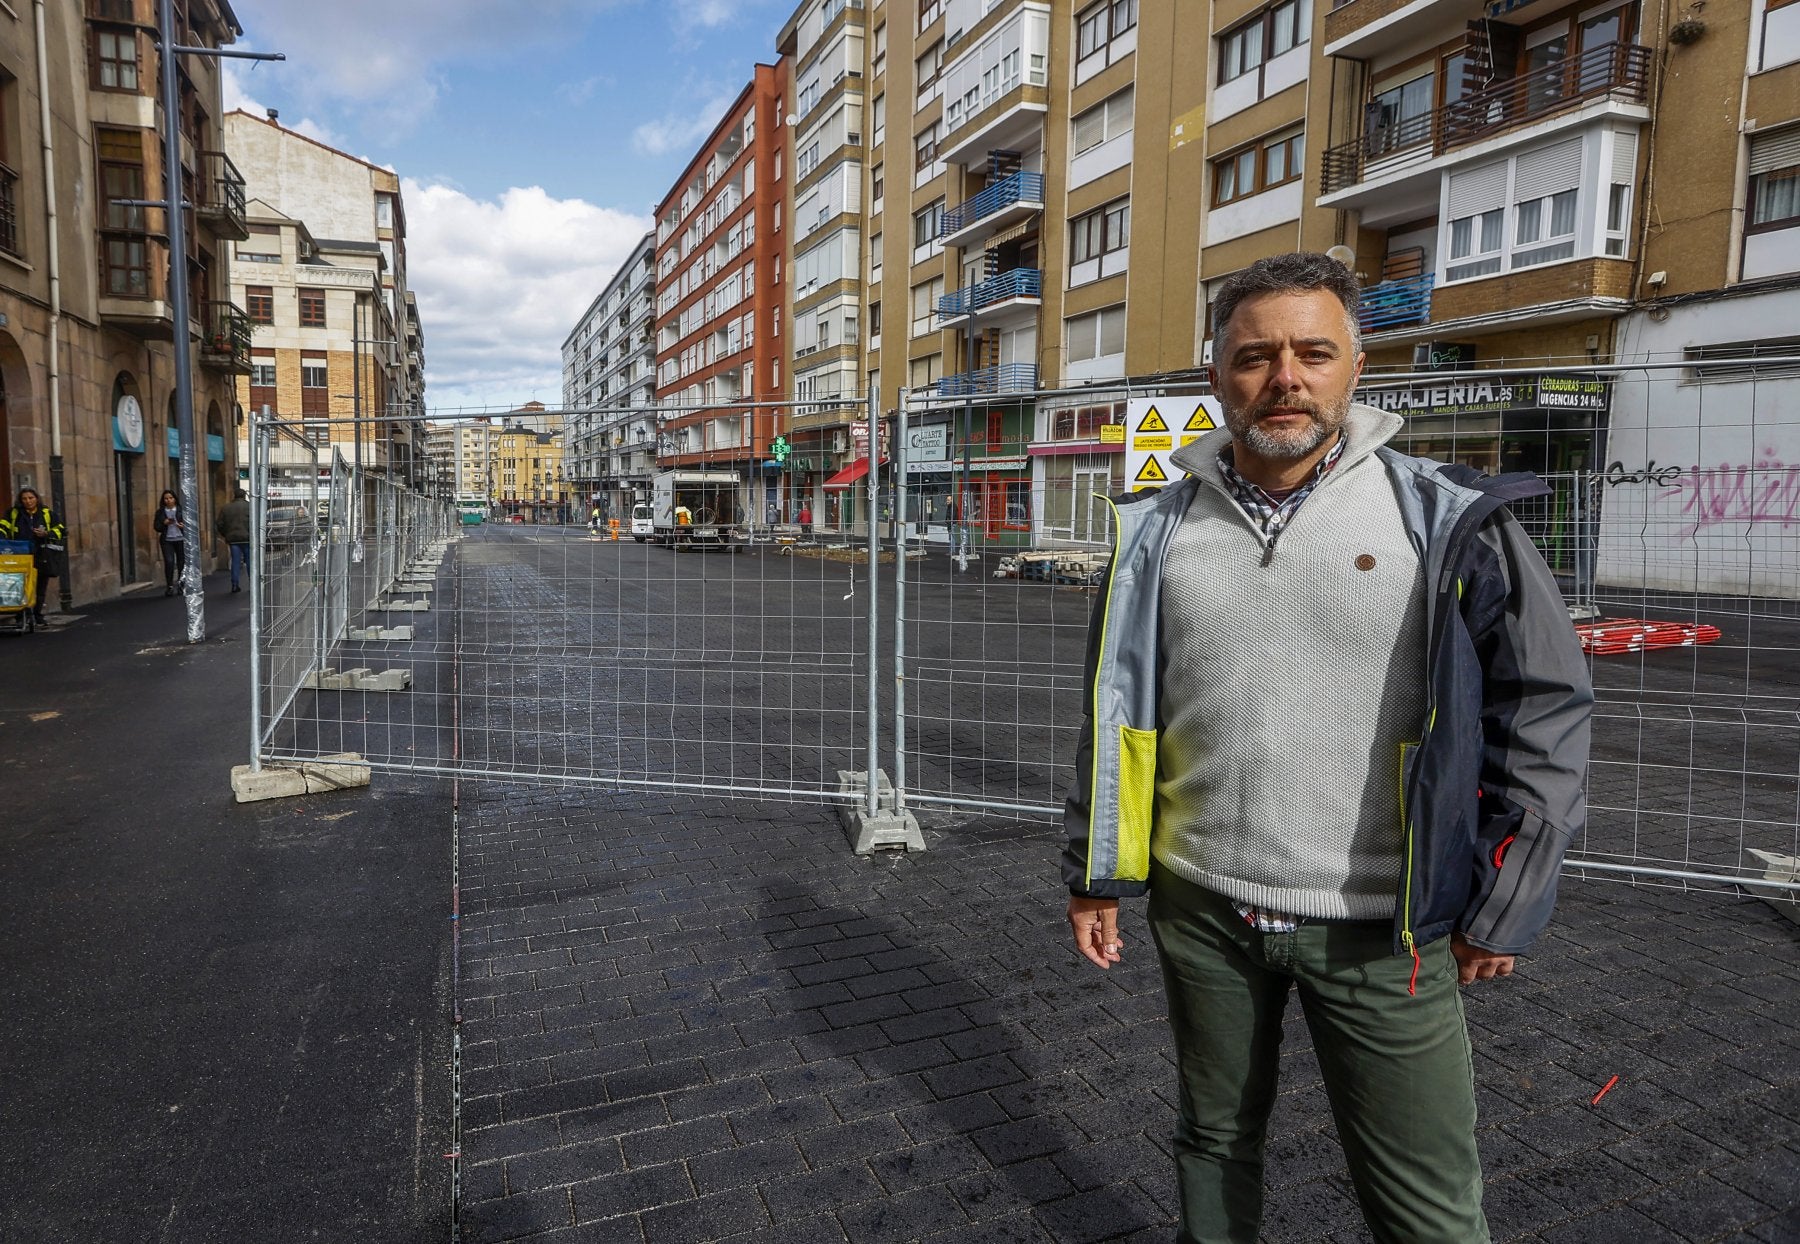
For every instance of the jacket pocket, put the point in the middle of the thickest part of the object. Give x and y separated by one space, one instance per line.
1137 801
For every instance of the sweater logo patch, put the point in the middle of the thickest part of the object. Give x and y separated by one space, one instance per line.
1365 561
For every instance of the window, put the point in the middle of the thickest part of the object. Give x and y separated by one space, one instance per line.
927 224
925 147
875 257
927 67
259 303
1100 24
925 297
1273 162
877 183
1251 44
878 120
1774 198
878 57
1104 231
384 211
1097 335
1108 119
312 308
1475 243
875 319
115 63
926 372
262 374
1544 228
1400 116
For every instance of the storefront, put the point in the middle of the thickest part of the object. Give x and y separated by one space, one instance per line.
968 472
1551 424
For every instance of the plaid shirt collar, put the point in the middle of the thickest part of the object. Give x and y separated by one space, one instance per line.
1265 511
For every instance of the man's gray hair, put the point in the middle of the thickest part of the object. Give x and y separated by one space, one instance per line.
1300 272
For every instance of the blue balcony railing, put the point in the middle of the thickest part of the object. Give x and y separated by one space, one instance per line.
1018 283
1394 304
1018 187
1005 378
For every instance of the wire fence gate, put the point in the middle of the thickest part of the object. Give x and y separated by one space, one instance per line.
744 626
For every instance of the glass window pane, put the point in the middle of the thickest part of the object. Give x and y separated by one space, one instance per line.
1461 236
1253 44
1281 35
1275 166
1090 129
1529 227
1490 230
1112 331
1562 214
1246 174
1227 187
1118 112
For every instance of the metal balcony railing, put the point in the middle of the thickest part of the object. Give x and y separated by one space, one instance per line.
224 336
1004 378
223 199
1394 304
1617 70
9 211
1020 187
1018 283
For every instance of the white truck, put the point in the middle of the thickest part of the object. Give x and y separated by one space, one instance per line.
693 509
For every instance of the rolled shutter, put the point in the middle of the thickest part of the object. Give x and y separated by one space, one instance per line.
1550 170
1624 161
1476 190
1774 150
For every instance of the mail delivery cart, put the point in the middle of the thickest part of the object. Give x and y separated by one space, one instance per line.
18 586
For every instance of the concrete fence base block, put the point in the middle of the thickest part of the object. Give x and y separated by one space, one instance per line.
1778 867
401 606
362 678
366 633
888 829
287 779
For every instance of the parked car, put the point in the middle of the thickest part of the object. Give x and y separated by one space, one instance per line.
516 518
288 524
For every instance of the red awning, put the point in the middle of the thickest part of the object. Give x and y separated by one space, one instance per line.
848 476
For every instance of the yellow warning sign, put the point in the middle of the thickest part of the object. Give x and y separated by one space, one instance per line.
1151 472
1141 443
1188 438
1152 422
1112 434
1199 421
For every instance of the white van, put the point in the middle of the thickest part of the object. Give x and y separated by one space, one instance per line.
641 523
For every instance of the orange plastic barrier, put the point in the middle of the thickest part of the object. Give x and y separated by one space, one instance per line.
1622 635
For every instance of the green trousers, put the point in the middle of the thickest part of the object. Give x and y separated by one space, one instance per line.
1397 1067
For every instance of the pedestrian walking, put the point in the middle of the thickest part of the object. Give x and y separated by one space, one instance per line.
1338 730
171 538
804 518
234 530
30 519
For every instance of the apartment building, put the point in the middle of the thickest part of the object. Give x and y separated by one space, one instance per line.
355 220
87 401
462 458
525 467
720 246
609 388
317 313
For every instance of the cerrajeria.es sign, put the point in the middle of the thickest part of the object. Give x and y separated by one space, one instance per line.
1499 392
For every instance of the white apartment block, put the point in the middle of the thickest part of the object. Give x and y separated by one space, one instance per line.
609 388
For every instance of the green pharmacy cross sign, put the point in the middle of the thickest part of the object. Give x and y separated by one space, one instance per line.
780 449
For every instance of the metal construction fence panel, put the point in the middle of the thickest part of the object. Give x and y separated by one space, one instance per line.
748 644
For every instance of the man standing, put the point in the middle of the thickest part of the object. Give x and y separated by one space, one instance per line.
1338 729
234 530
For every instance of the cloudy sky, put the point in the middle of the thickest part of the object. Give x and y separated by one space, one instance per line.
534 137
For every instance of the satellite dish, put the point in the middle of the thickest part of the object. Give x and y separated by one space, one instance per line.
1343 254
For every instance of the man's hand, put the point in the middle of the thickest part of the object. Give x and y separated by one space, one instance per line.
1473 963
1095 923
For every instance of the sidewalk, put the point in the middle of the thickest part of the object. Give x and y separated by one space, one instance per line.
687 1020
224 1022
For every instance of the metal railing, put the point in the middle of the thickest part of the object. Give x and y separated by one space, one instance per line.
1020 187
1018 283
224 200
1393 304
1620 70
224 336
9 211
1004 378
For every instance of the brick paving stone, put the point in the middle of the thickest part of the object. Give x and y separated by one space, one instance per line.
902 1216
631 1191
656 1145
570 1164
703 1219
821 1190
746 1164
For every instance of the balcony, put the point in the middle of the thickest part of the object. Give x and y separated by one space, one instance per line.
9 212
1365 29
224 338
1616 74
995 88
1395 304
221 202
1019 287
1004 378
1007 201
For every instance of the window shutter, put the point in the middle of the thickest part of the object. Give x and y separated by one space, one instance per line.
1550 170
1779 149
1477 190
1624 163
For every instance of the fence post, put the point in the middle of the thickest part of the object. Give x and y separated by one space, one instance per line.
900 491
259 492
874 495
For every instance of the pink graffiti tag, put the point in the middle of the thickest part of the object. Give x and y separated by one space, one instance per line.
1766 491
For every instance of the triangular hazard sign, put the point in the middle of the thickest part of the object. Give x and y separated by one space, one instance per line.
1152 422
1151 472
1200 421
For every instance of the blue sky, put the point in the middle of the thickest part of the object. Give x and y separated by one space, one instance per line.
535 136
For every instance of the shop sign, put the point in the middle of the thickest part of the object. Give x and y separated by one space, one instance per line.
1490 394
928 443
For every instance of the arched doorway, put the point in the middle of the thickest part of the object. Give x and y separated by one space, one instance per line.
15 400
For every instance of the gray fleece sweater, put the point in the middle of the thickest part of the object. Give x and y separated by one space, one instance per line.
1290 689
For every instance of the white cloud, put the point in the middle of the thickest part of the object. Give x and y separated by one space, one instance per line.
706 13
674 133
237 95
500 285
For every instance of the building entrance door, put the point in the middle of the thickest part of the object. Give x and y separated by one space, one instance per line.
123 466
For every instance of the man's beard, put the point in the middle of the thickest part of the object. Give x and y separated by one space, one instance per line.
1247 427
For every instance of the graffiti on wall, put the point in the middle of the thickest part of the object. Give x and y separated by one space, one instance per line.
1765 491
